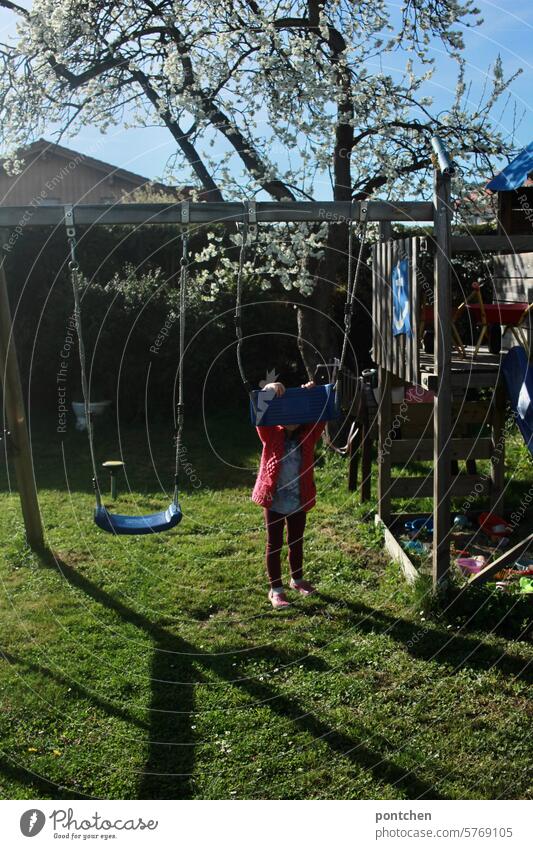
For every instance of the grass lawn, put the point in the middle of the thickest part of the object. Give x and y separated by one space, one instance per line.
153 667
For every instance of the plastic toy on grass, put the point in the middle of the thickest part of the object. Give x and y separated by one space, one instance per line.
526 585
461 522
471 565
494 526
424 524
415 546
524 563
508 574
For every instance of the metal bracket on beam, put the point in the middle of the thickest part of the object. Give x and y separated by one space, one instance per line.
185 212
69 220
250 213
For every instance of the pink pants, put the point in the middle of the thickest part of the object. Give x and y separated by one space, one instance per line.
275 523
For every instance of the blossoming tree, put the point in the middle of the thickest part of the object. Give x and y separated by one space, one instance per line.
268 100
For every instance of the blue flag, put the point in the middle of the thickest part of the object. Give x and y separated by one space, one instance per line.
401 321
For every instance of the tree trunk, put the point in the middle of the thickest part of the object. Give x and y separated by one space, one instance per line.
315 330
319 338
320 317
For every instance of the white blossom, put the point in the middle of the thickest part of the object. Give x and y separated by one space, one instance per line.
260 101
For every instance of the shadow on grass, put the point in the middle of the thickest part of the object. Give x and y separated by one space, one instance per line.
74 686
46 788
176 668
426 641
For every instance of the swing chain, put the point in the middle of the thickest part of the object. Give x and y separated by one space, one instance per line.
351 286
180 406
74 268
248 227
71 236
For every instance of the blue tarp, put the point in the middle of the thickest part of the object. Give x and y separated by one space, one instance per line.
518 373
515 174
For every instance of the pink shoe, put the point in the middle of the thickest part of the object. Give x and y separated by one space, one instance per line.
303 587
278 600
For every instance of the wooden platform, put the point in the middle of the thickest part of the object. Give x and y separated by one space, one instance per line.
467 373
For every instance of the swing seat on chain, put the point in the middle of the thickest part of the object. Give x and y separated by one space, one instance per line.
117 523
295 406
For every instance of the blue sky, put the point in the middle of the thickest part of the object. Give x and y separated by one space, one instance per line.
507 29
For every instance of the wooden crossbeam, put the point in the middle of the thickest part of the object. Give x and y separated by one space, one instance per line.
423 487
477 244
466 379
225 212
410 450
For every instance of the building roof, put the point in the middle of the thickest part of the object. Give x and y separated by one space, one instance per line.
516 174
42 146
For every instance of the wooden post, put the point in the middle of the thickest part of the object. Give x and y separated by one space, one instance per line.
385 400
384 451
16 422
385 231
366 460
354 447
442 411
497 470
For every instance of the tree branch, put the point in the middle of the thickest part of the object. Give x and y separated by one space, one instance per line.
380 180
188 149
14 8
230 131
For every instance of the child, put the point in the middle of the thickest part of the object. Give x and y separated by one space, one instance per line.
285 488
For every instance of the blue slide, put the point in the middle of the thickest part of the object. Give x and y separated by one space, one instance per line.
518 373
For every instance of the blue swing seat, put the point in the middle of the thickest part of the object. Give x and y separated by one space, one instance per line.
295 406
518 373
116 523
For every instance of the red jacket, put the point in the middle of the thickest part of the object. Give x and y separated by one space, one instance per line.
273 439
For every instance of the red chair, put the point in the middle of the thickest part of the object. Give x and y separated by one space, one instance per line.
510 315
